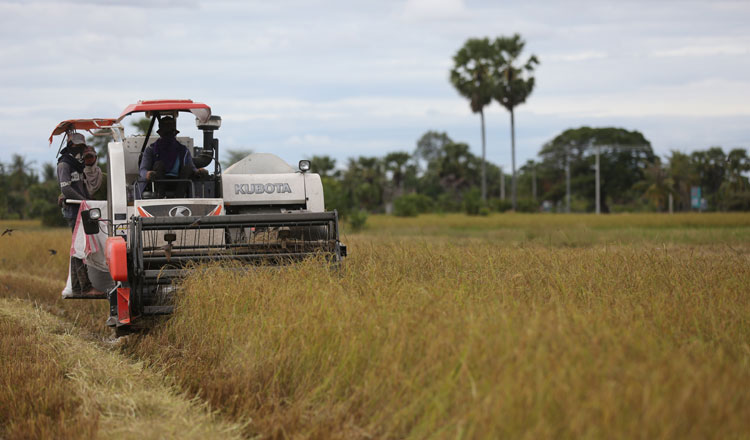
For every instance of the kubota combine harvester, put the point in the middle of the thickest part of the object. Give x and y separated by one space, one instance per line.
260 210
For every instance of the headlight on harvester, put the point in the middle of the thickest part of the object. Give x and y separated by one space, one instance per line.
304 165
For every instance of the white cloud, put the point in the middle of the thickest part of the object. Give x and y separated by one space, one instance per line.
703 51
368 77
428 10
710 98
360 108
123 3
309 139
579 56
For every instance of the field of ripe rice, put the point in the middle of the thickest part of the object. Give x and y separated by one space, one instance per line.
507 326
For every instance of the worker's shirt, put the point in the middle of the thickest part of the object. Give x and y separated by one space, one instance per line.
179 157
175 171
72 186
169 150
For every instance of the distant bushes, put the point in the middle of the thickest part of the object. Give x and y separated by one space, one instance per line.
527 205
472 203
499 205
357 219
410 205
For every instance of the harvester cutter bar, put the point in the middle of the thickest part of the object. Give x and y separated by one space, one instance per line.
281 219
163 248
242 237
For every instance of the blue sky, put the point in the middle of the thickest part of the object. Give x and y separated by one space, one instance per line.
344 78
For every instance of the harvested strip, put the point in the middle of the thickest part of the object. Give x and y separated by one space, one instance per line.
45 292
114 396
47 281
36 400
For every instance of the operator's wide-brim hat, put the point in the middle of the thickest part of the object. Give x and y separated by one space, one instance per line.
167 126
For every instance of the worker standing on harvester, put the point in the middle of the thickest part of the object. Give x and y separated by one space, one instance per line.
93 176
70 176
167 159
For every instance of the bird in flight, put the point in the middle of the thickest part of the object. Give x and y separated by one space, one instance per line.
7 231
52 251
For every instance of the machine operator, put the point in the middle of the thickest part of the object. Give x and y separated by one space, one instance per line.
168 159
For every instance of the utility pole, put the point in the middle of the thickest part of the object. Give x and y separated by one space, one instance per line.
533 181
567 179
513 159
671 204
598 183
484 161
502 184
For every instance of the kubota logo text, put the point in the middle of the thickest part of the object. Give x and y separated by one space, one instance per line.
180 211
259 188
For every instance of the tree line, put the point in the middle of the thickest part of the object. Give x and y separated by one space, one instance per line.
25 194
443 175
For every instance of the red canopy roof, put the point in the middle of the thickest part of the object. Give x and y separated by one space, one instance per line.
81 124
200 110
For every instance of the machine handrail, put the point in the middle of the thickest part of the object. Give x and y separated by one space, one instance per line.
139 194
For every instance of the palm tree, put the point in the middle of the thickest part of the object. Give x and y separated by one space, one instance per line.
21 174
471 76
455 169
364 178
513 84
141 125
395 164
656 185
323 165
429 148
682 173
49 173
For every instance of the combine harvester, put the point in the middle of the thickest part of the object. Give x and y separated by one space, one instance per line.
258 211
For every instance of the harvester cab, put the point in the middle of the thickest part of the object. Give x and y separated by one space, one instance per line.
258 211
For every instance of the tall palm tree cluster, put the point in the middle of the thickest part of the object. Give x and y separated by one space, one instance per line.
487 70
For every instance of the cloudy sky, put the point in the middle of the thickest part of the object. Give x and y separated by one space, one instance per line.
350 78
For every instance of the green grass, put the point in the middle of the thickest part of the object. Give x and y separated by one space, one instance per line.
556 221
572 229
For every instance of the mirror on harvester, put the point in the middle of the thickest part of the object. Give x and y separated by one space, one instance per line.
90 219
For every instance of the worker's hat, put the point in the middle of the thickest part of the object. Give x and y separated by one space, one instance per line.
167 126
76 139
